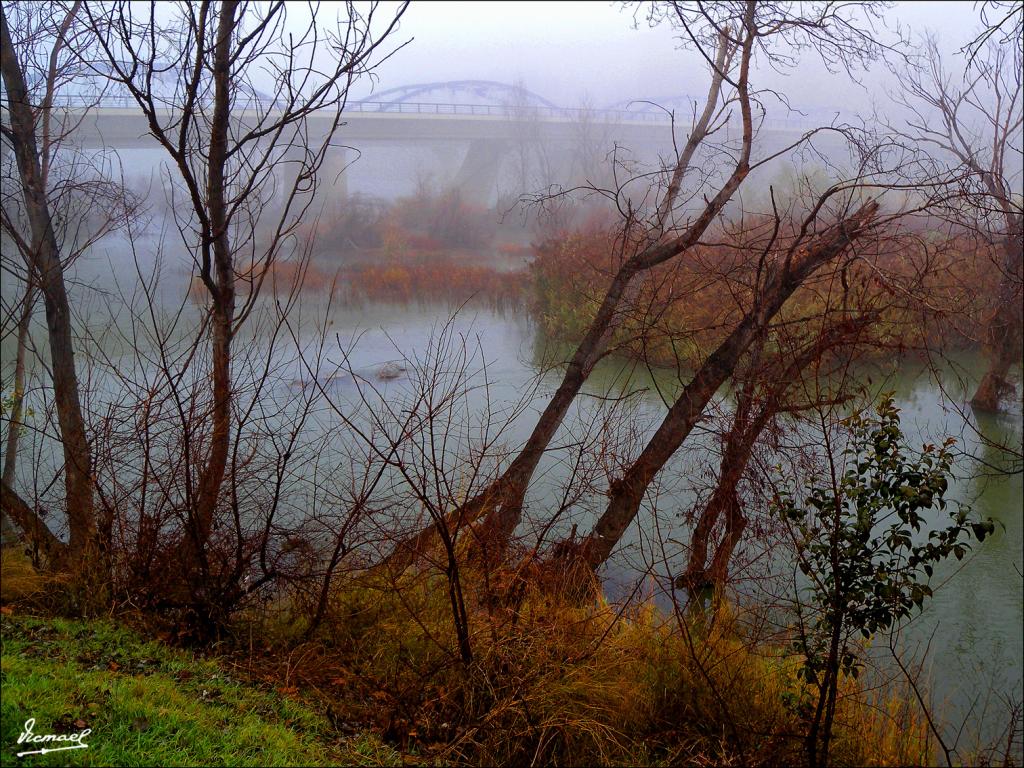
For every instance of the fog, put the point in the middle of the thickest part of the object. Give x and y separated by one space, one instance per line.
542 274
608 53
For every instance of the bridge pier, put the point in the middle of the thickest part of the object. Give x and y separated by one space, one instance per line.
334 173
332 179
478 175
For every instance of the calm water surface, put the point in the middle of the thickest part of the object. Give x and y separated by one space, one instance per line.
971 630
972 627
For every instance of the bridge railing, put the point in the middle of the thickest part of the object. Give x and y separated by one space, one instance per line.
125 101
508 111
556 113
500 111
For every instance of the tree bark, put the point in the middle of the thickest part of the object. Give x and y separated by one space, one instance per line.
36 531
743 435
223 297
724 500
45 263
626 494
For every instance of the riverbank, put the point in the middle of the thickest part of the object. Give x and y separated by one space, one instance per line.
382 683
146 703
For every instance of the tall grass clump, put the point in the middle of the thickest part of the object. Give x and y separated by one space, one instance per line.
555 681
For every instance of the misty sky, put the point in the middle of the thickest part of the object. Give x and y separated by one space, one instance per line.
570 51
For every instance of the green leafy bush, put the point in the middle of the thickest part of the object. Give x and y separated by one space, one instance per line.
861 545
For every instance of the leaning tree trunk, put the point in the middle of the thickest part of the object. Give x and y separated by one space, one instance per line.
38 535
626 493
502 500
780 377
45 264
506 511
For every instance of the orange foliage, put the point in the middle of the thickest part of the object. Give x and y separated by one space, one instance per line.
281 277
424 221
513 250
430 277
410 276
676 310
925 287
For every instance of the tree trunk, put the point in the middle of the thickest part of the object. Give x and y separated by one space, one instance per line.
501 522
627 493
1003 335
46 266
724 500
504 517
36 531
223 294
14 425
18 397
778 377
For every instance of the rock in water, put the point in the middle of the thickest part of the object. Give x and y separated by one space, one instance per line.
391 370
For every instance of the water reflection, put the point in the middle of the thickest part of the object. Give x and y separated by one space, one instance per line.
973 625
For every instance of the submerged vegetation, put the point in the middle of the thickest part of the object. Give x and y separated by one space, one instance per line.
430 248
663 327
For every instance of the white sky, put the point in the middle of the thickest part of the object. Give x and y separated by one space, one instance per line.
568 51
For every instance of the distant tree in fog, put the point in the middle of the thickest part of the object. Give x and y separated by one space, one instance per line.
971 122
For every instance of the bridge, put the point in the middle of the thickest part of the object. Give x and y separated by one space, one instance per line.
489 119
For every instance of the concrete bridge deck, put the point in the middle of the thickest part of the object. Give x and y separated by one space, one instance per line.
126 127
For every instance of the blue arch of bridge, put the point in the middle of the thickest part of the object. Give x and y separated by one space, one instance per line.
479 88
499 91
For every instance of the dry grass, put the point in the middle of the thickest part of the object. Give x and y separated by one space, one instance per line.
554 682
20 582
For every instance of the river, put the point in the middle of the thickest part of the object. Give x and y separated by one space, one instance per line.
971 630
972 627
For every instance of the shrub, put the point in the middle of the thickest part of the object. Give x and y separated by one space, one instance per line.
860 547
558 683
446 219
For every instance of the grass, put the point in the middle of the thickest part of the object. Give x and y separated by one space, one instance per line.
558 683
149 704
552 682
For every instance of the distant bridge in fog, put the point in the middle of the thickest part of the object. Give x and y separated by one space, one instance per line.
497 111
489 117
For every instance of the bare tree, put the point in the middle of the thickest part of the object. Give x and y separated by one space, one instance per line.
35 137
770 388
781 278
1002 23
688 202
229 92
974 129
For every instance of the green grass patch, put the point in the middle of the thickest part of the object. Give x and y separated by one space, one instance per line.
149 704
